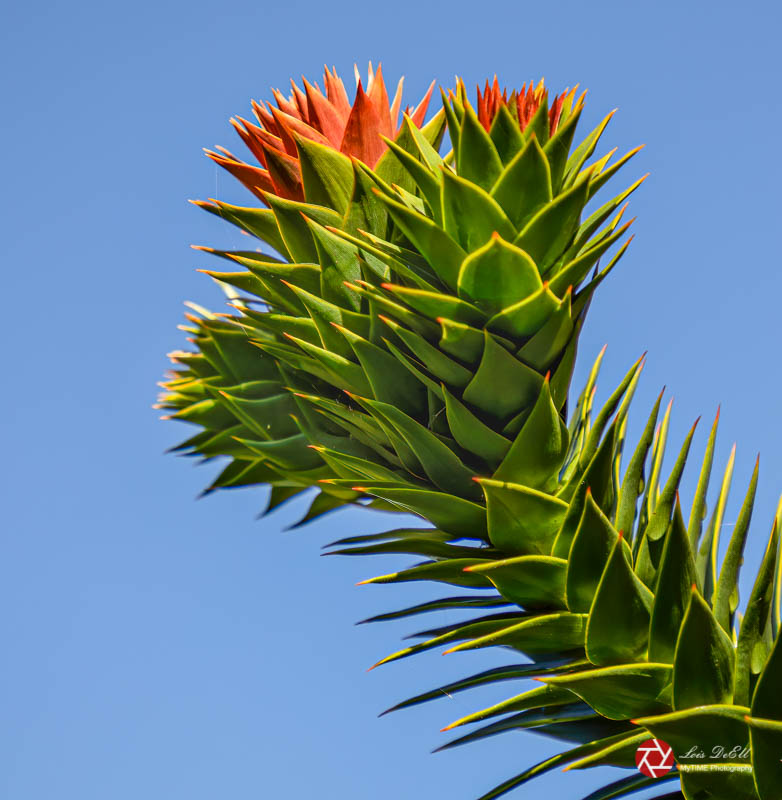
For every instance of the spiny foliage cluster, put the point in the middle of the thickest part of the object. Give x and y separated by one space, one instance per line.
404 338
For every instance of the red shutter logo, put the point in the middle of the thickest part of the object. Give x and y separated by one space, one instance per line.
654 758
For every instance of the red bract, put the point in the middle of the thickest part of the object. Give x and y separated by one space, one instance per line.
523 103
326 117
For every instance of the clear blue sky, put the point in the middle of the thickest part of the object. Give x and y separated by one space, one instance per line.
159 647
